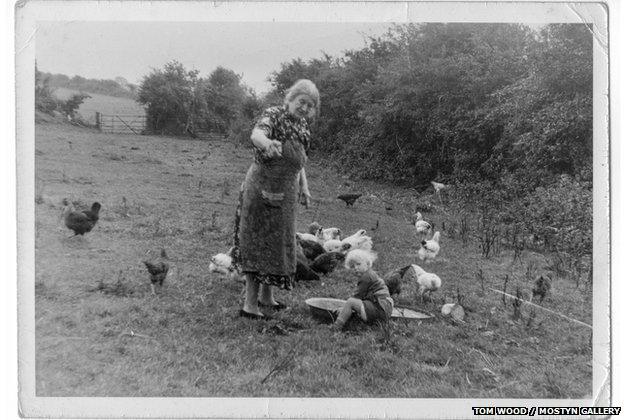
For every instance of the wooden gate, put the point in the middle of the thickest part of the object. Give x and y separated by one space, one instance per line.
120 124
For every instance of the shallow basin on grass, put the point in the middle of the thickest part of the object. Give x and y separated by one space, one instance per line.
328 308
406 313
325 308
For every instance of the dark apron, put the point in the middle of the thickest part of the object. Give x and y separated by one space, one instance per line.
268 210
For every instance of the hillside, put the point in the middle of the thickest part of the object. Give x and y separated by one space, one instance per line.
117 88
106 104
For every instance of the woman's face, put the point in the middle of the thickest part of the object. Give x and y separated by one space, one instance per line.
302 106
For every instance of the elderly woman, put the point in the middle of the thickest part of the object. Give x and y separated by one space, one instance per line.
264 237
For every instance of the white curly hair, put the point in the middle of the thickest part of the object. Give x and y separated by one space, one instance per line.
309 88
360 255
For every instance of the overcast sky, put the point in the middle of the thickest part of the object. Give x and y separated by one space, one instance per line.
105 50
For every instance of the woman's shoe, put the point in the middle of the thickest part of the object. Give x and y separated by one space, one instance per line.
243 313
277 307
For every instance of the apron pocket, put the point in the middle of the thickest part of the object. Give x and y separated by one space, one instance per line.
272 199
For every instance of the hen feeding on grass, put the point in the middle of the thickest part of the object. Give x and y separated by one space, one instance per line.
541 286
327 262
81 222
349 199
311 249
429 249
158 270
394 280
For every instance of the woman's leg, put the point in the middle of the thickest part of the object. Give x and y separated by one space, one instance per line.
266 295
352 304
251 295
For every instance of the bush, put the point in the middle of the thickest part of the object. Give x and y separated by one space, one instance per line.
71 105
44 97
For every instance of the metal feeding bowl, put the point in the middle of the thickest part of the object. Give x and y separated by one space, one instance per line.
327 309
405 313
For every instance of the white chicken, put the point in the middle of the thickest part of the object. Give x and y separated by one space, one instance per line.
427 282
313 233
359 240
429 249
308 237
422 227
222 263
437 188
329 234
335 245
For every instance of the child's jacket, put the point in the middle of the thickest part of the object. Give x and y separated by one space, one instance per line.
371 287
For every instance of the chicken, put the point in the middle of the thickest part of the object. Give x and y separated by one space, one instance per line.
299 252
311 249
394 279
327 262
429 249
349 199
81 222
422 227
359 240
222 263
541 286
329 234
437 188
158 270
427 282
309 237
304 272
315 229
333 245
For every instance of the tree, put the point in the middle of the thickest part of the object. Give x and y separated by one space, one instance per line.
224 96
44 98
169 95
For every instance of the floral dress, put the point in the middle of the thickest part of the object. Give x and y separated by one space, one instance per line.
264 235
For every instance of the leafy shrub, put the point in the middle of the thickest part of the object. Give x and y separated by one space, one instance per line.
70 106
180 102
44 98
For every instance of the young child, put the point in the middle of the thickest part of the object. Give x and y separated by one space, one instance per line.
372 301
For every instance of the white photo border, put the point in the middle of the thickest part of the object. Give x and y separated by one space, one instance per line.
30 12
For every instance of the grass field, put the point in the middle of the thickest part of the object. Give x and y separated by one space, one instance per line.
99 331
107 105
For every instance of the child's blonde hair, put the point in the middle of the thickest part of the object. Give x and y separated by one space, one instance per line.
360 255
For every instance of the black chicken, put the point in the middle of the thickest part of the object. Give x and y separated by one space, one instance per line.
311 249
349 198
327 262
81 222
158 270
304 272
394 280
541 286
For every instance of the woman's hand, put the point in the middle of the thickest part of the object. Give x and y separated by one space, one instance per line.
305 198
273 149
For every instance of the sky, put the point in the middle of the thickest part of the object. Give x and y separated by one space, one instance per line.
105 50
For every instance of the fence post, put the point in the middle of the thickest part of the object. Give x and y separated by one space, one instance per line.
98 120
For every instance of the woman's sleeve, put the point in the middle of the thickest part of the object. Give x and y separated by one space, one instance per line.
266 122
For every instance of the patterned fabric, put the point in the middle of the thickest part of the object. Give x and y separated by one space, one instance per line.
264 233
278 124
